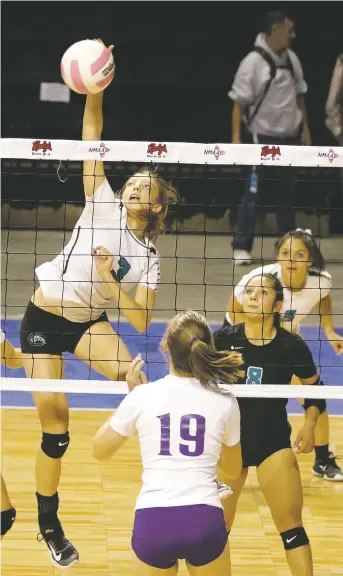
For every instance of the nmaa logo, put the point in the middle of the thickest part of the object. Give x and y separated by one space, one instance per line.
216 152
330 155
102 149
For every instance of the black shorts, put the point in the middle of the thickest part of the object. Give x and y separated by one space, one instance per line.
254 455
44 333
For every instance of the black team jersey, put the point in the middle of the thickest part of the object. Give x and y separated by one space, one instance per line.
264 419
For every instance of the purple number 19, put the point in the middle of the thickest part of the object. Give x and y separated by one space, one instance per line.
187 421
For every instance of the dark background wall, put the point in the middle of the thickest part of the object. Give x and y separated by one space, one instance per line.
175 62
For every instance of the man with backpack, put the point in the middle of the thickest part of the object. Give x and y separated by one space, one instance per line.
269 108
334 105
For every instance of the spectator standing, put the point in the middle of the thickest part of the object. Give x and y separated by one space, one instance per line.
334 105
269 108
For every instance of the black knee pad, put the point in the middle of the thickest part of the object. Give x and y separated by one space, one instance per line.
7 520
294 538
55 445
318 403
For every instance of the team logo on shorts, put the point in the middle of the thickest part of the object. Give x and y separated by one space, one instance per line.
36 339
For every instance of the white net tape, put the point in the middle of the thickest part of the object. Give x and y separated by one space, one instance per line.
172 152
105 387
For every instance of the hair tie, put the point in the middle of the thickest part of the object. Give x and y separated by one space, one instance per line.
307 231
194 340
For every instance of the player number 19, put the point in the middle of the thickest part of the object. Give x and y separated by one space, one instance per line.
195 439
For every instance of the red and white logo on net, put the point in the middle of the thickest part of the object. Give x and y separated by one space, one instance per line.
101 150
40 148
214 151
331 155
270 153
157 150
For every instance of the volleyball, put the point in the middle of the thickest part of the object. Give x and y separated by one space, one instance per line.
87 67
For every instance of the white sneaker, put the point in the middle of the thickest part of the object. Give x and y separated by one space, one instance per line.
241 257
224 490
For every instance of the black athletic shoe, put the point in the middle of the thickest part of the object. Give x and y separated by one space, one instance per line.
63 554
329 470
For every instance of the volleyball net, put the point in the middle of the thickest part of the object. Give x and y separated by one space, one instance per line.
42 198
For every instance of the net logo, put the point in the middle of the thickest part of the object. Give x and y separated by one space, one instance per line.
41 148
216 152
330 155
270 152
156 150
102 149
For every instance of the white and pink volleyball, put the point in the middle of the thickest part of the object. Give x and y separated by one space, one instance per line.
87 67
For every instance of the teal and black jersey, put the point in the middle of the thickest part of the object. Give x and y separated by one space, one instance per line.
264 420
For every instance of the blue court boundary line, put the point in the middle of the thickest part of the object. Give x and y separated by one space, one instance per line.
331 366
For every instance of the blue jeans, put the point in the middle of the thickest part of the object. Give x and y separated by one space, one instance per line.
283 198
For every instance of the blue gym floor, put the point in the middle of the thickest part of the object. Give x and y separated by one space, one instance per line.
330 365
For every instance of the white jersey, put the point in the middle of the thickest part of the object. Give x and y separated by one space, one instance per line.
297 304
71 280
181 428
2 337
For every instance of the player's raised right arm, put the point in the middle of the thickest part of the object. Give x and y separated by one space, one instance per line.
235 310
93 171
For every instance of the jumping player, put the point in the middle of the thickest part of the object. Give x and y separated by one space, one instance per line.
301 270
272 355
110 252
10 357
186 425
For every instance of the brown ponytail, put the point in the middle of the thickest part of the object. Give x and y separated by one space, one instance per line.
189 341
210 366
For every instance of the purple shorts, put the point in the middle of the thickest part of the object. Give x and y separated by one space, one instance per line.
196 533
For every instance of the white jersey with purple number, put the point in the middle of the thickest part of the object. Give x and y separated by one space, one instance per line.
297 304
181 427
71 280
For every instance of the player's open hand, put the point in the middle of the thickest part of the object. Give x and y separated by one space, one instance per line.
135 375
304 442
110 48
103 260
336 342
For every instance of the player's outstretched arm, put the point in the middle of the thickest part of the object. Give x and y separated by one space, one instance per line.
305 439
112 435
326 321
93 172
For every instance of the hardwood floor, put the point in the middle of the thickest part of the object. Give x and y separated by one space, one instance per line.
97 502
